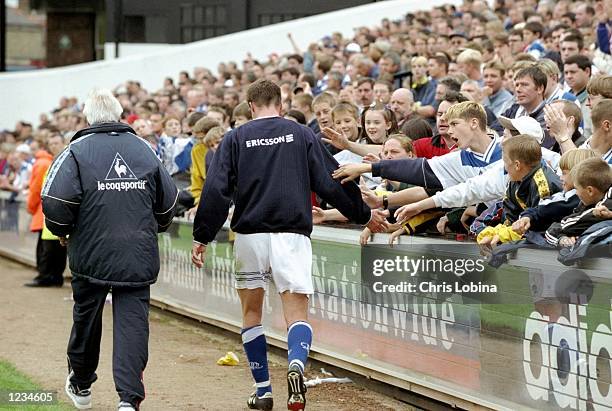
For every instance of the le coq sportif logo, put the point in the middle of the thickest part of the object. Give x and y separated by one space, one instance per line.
119 170
120 177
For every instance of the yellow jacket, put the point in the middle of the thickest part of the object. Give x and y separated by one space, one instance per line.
505 233
46 234
198 170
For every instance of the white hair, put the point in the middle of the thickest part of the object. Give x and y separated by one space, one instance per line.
102 107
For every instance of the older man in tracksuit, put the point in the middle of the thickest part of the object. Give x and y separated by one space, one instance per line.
109 195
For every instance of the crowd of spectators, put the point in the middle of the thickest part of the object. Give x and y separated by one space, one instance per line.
468 120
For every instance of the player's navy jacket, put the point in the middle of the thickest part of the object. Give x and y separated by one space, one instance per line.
269 167
111 194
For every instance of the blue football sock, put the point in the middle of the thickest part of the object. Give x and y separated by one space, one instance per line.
254 342
299 338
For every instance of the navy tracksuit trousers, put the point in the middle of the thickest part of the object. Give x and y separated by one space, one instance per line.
130 336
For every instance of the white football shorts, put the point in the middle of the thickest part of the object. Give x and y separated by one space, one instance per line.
286 258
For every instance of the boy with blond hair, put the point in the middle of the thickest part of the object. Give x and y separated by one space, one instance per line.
599 87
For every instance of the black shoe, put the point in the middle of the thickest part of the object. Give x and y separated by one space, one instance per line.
296 388
265 402
38 283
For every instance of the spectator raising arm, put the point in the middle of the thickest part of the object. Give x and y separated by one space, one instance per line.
296 48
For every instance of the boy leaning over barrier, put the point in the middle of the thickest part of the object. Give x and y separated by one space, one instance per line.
530 181
560 204
592 179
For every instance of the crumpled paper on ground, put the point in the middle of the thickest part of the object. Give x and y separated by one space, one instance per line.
228 359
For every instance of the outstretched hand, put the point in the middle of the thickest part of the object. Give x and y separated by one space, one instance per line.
369 197
395 235
318 215
364 237
198 254
350 172
338 140
567 241
521 225
404 213
371 158
441 224
487 244
378 223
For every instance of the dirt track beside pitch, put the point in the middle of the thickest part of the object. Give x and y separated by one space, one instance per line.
182 373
